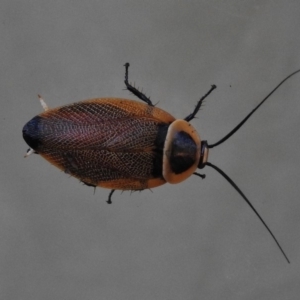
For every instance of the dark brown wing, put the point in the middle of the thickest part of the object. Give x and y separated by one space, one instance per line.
112 143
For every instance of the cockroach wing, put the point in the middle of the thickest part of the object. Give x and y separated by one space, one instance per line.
112 143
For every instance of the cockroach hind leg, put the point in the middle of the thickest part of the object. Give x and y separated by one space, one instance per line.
43 103
29 152
89 184
109 197
200 175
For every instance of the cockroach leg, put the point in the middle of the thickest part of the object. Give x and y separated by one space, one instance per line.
89 184
109 197
200 175
200 102
134 90
29 152
43 103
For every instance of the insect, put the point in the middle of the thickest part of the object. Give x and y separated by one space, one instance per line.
125 144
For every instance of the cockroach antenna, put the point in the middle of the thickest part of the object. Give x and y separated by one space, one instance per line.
205 146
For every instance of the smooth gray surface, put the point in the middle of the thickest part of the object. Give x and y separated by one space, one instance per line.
195 240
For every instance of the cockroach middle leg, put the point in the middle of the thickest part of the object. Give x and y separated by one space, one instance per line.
134 90
109 197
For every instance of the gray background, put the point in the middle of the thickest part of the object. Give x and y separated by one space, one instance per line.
195 240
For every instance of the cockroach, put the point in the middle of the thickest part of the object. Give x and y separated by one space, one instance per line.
124 144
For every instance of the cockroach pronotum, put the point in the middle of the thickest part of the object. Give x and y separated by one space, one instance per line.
124 144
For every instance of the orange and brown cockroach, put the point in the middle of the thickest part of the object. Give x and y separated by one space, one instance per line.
124 144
